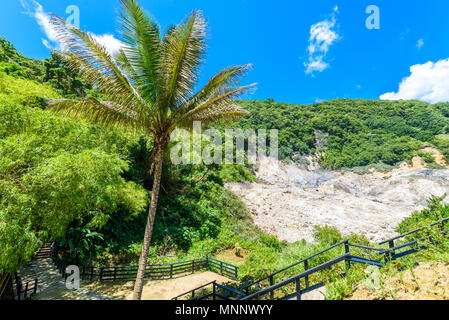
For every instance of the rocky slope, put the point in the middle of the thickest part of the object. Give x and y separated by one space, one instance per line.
289 201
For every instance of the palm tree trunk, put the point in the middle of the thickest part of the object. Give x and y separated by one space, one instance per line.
138 286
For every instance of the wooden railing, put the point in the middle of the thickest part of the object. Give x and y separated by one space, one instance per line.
155 271
225 269
25 290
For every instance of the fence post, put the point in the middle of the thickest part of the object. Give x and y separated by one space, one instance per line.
35 286
19 286
26 291
390 254
272 292
115 273
214 291
348 263
221 267
171 271
101 274
193 266
306 267
298 289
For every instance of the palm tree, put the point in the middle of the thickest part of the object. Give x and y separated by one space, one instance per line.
149 86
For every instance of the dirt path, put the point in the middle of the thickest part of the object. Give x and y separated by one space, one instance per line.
157 289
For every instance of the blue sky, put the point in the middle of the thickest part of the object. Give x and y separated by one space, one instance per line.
349 61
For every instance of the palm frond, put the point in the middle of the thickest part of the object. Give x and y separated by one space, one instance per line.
184 49
226 78
228 112
143 48
98 67
220 99
105 112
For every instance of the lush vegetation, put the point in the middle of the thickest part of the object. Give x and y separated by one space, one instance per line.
87 185
375 278
352 133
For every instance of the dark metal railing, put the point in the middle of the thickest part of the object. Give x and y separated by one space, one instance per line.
297 281
155 271
25 290
305 261
414 245
212 290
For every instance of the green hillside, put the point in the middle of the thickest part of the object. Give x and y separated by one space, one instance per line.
352 133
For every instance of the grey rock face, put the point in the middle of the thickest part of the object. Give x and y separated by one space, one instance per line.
288 201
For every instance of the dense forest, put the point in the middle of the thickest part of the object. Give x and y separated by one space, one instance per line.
88 186
352 133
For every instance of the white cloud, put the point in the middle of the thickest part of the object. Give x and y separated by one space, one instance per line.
420 43
111 44
322 36
427 82
42 18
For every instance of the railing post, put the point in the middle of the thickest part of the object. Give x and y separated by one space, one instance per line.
193 293
306 267
272 292
115 273
26 291
390 255
18 285
171 271
348 263
221 267
101 274
35 286
193 266
214 296
298 289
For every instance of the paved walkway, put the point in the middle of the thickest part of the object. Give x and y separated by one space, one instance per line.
51 285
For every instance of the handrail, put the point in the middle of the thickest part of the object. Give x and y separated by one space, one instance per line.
295 264
193 290
380 250
407 244
298 276
219 261
388 254
413 231
231 289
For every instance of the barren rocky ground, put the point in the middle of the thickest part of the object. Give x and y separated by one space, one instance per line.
288 201
429 281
